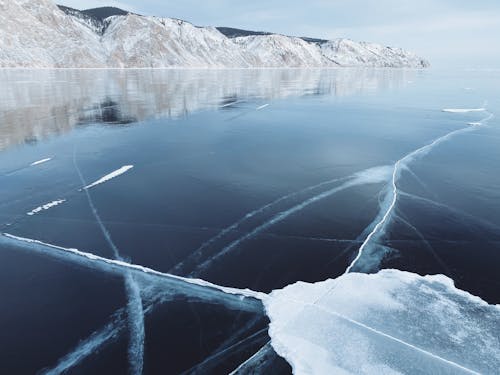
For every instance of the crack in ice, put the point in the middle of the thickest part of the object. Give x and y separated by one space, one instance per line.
392 196
125 266
265 349
485 223
135 308
202 289
199 251
134 304
399 341
368 176
109 333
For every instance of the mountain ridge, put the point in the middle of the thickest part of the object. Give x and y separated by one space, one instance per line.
37 33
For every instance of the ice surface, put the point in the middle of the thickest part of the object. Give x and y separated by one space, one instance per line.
229 229
135 310
371 251
86 347
113 265
110 176
140 279
369 176
392 322
256 364
108 333
45 207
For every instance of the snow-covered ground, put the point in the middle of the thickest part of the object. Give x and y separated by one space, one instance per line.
36 33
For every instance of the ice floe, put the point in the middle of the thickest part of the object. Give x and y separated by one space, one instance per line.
45 207
392 322
110 176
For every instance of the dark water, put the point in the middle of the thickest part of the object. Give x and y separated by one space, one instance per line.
208 148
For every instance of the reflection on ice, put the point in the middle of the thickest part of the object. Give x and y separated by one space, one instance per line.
392 322
37 104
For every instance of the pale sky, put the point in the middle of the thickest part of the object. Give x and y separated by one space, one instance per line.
458 33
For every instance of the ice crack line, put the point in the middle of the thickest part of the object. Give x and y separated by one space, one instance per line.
392 338
224 232
401 164
107 334
134 304
124 266
368 176
243 299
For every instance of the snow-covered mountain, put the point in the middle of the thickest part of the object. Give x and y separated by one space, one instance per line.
38 33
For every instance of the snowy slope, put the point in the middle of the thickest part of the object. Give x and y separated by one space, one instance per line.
346 52
279 50
36 33
137 41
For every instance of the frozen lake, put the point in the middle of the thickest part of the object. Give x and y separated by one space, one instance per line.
248 179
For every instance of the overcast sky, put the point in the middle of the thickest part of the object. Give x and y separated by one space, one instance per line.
461 33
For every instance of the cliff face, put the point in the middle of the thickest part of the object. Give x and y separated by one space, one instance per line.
37 33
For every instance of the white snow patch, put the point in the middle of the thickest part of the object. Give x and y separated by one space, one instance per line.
40 161
110 176
46 207
262 107
463 110
392 322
